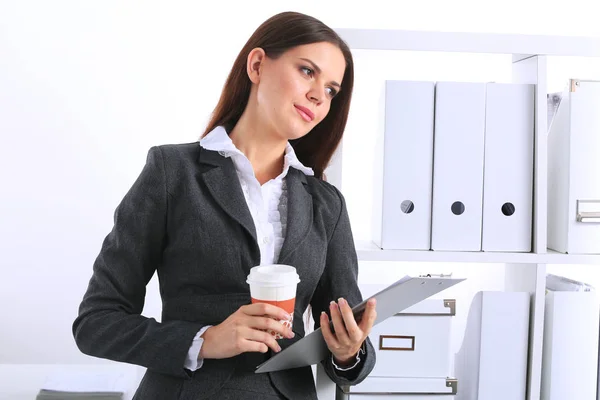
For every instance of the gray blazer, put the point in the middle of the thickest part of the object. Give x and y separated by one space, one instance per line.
186 218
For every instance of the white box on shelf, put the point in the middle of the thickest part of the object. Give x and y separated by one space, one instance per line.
373 388
573 168
414 343
403 220
492 361
508 168
570 356
457 207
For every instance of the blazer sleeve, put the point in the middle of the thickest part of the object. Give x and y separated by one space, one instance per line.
340 279
109 323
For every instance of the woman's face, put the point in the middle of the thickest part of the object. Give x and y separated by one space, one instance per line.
294 92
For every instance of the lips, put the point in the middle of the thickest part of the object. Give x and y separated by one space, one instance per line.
305 113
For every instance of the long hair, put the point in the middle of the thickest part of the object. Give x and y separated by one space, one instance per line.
275 36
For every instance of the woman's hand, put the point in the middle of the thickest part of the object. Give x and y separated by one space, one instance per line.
349 335
243 332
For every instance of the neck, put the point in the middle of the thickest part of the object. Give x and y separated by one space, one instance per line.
260 144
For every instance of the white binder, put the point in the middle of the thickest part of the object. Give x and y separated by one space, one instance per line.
570 356
403 222
458 166
492 361
573 167
508 167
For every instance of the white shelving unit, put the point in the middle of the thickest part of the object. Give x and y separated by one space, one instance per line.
369 251
523 271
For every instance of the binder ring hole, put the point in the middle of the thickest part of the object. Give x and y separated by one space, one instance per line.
407 206
508 209
457 208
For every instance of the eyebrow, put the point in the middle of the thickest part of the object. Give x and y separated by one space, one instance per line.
316 68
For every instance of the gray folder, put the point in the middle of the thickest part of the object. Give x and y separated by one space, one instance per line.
63 395
397 297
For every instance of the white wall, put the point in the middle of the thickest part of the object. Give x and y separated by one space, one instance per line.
87 87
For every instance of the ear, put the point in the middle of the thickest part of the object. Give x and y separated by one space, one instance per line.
254 63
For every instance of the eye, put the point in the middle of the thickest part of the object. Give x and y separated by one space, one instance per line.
307 71
332 92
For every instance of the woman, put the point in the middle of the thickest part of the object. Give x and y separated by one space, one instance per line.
202 214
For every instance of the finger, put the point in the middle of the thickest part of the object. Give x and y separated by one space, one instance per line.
252 346
369 317
354 332
329 337
257 336
261 309
270 324
338 324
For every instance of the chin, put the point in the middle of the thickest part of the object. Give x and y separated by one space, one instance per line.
297 134
299 130
294 131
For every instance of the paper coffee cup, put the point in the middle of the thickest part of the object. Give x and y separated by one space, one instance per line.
275 284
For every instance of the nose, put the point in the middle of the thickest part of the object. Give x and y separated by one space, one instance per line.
314 96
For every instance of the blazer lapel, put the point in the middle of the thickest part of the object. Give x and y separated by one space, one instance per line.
300 213
223 183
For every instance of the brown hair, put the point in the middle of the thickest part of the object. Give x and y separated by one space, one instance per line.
275 36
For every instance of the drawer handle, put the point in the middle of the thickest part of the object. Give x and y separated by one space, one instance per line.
588 211
397 343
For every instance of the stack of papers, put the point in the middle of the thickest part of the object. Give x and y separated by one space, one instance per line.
74 385
60 395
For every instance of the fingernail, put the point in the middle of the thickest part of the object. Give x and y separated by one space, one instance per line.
291 335
278 349
332 304
323 314
341 301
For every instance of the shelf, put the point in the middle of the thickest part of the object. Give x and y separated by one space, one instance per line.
521 45
368 251
554 257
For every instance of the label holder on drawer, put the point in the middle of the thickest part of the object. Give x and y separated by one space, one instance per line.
410 347
588 211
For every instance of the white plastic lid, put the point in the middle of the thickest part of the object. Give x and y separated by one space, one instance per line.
273 275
